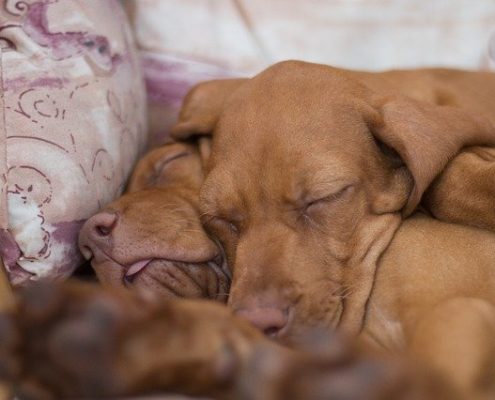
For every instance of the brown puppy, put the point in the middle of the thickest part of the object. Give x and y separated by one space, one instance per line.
151 238
82 341
311 174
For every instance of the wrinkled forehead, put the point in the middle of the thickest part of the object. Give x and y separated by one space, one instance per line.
292 130
294 106
246 177
285 124
284 162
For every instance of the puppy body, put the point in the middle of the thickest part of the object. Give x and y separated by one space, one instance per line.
460 264
441 311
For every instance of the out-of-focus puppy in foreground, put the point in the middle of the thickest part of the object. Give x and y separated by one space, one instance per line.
79 340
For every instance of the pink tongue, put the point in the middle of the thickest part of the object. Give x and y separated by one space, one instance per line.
136 267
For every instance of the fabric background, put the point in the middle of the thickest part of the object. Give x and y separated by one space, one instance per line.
186 41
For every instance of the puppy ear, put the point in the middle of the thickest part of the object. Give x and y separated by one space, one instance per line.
427 137
202 106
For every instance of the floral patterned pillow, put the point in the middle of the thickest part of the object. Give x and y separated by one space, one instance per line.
72 123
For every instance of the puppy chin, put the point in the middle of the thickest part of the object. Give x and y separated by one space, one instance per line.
108 271
177 279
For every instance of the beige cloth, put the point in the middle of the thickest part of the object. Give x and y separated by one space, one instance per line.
248 35
183 42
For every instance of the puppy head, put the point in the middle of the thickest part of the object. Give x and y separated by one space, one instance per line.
309 176
151 237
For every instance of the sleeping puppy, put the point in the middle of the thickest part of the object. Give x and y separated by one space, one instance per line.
79 340
151 238
312 174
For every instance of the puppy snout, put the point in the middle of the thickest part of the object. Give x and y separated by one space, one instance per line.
270 320
96 232
268 313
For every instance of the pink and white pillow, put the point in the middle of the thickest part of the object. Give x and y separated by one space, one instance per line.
72 123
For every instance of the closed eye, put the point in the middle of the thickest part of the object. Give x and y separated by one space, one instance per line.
215 222
160 167
338 195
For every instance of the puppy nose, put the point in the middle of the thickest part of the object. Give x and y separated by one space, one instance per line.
96 232
270 320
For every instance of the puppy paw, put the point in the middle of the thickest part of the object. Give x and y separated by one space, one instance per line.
65 341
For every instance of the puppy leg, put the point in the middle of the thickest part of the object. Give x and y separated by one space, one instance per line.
457 338
465 191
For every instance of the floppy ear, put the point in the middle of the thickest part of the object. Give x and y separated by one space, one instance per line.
202 106
427 137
